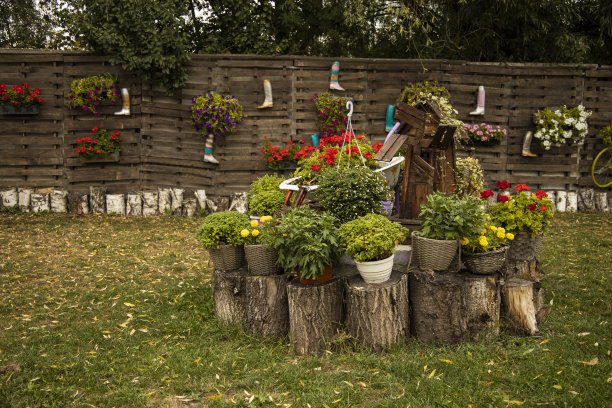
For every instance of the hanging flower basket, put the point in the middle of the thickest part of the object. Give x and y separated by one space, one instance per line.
485 263
261 261
525 247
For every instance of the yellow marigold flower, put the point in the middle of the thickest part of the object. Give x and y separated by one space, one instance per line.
254 223
510 236
492 227
502 229
255 232
266 218
500 234
464 241
244 233
483 241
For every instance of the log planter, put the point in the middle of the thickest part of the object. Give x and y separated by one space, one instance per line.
315 314
229 294
377 314
267 310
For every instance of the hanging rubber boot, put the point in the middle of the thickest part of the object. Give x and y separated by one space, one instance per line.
208 150
527 145
268 92
333 81
480 102
125 103
390 113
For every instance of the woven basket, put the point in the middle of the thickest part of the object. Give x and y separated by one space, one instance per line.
227 257
485 263
433 254
524 247
260 260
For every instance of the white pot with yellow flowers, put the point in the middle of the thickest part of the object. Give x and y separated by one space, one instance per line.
257 236
485 253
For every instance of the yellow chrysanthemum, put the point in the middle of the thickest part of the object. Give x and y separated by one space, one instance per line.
254 223
464 241
483 241
255 232
492 227
266 218
500 234
502 229
244 233
510 236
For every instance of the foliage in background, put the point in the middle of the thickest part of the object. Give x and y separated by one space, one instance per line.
88 92
562 126
468 177
606 134
267 202
19 95
372 237
222 228
101 142
450 217
269 182
216 114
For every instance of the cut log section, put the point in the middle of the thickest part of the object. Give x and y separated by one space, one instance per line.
97 196
436 300
528 270
315 314
229 296
378 315
267 310
482 305
518 306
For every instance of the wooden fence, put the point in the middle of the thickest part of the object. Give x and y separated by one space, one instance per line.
160 148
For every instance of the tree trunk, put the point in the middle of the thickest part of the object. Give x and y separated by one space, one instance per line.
177 200
58 201
74 203
10 198
529 270
85 204
97 197
150 202
315 314
378 315
267 310
229 295
134 204
518 306
189 207
482 305
437 309
165 200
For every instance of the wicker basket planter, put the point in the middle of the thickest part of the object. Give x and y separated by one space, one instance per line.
261 261
524 247
433 253
485 263
227 257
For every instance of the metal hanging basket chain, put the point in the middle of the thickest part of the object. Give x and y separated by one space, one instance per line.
349 131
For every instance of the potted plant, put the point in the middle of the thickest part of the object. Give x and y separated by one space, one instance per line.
100 147
351 193
371 240
306 243
485 253
562 125
220 234
281 159
265 197
485 134
87 93
331 115
257 237
526 216
19 99
446 219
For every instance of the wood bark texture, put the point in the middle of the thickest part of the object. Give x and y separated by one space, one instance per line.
482 301
97 197
378 315
134 204
74 203
150 203
267 309
315 314
436 300
518 306
40 202
229 294
58 201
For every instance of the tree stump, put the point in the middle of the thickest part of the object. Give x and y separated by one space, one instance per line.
518 304
378 315
25 195
58 201
10 197
150 203
85 204
177 200
267 309
229 296
482 301
97 196
165 199
115 204
529 270
74 203
437 309
315 314
39 202
189 207
134 204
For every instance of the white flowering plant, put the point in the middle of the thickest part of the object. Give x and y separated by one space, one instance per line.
563 125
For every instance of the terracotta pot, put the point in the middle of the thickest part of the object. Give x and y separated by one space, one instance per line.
327 275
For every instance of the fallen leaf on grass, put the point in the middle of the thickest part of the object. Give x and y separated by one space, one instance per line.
514 402
590 363
558 387
213 397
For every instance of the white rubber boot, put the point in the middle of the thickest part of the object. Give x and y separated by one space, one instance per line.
480 102
527 145
125 106
268 92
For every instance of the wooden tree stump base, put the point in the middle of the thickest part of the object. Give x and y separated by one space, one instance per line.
519 310
229 296
437 307
378 314
267 310
315 314
528 270
481 300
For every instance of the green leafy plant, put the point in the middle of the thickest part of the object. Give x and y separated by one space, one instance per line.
216 114
222 228
269 182
267 202
331 115
606 134
372 237
100 143
19 95
523 211
561 126
468 176
306 241
351 193
87 93
490 238
259 232
450 217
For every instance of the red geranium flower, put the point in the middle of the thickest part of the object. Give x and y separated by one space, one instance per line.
502 198
486 194
521 187
543 208
541 194
503 184
315 167
532 207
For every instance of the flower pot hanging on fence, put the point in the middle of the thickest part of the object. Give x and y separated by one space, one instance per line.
19 110
227 257
525 247
101 158
485 263
261 261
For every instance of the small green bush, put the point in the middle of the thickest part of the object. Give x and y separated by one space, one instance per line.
222 228
451 217
269 182
267 203
371 238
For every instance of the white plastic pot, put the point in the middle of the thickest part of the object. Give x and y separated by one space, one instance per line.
375 271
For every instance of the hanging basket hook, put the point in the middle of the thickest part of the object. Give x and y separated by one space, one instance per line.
349 106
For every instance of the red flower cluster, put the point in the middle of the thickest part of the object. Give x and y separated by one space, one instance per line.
521 187
486 194
101 144
275 155
541 194
502 198
502 185
19 95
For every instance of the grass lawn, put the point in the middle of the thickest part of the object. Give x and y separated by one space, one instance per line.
102 311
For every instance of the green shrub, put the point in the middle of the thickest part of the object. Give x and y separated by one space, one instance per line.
371 238
269 182
451 217
222 228
267 203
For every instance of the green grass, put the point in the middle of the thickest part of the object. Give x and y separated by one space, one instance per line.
103 311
